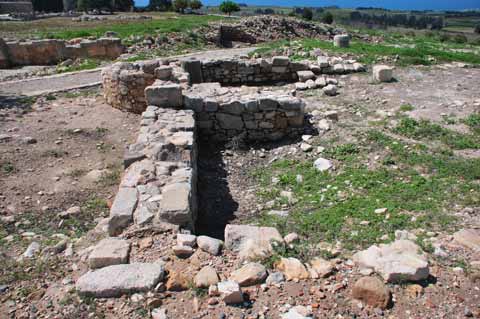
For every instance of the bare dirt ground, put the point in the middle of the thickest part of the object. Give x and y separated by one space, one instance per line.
79 134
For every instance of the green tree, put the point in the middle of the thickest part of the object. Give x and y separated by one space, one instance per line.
86 5
123 5
180 5
327 18
48 5
196 4
229 7
160 5
307 14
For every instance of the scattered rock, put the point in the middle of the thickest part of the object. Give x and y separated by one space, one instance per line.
275 278
382 73
469 238
116 280
177 281
249 275
372 291
159 313
210 245
31 250
292 268
186 240
396 262
251 242
322 267
297 312
322 164
71 212
109 251
330 90
183 251
291 238
230 292
206 277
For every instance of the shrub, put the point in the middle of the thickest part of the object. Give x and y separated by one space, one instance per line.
180 5
307 14
196 4
460 38
327 18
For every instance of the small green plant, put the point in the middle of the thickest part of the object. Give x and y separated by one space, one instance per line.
473 121
7 167
406 108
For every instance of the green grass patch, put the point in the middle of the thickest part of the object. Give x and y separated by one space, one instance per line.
417 53
125 29
87 64
416 185
473 121
424 129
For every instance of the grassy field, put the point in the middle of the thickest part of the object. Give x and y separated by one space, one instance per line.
65 28
423 50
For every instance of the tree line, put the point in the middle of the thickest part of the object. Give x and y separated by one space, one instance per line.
59 5
394 20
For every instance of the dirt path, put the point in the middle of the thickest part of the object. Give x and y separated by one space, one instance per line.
82 79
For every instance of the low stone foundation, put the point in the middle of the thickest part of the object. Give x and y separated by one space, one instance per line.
46 52
159 183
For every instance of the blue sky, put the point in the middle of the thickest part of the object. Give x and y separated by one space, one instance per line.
389 4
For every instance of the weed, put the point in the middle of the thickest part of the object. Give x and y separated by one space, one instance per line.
110 178
77 172
406 108
473 121
7 168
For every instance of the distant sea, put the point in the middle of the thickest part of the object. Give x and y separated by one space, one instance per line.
387 4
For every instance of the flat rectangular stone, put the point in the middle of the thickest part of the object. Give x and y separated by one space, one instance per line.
175 204
116 280
164 94
109 251
121 213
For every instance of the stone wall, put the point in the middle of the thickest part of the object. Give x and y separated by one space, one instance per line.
46 52
244 113
160 180
258 71
124 83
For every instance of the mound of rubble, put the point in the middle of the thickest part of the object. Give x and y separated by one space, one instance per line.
265 28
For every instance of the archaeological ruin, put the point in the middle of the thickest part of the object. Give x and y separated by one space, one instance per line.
215 100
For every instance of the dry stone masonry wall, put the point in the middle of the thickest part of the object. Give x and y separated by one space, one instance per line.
159 183
45 52
225 113
179 100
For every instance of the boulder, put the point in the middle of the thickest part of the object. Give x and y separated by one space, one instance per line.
210 245
382 73
469 238
230 292
330 90
372 291
399 261
249 275
292 268
323 268
322 164
206 277
109 251
116 280
237 235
